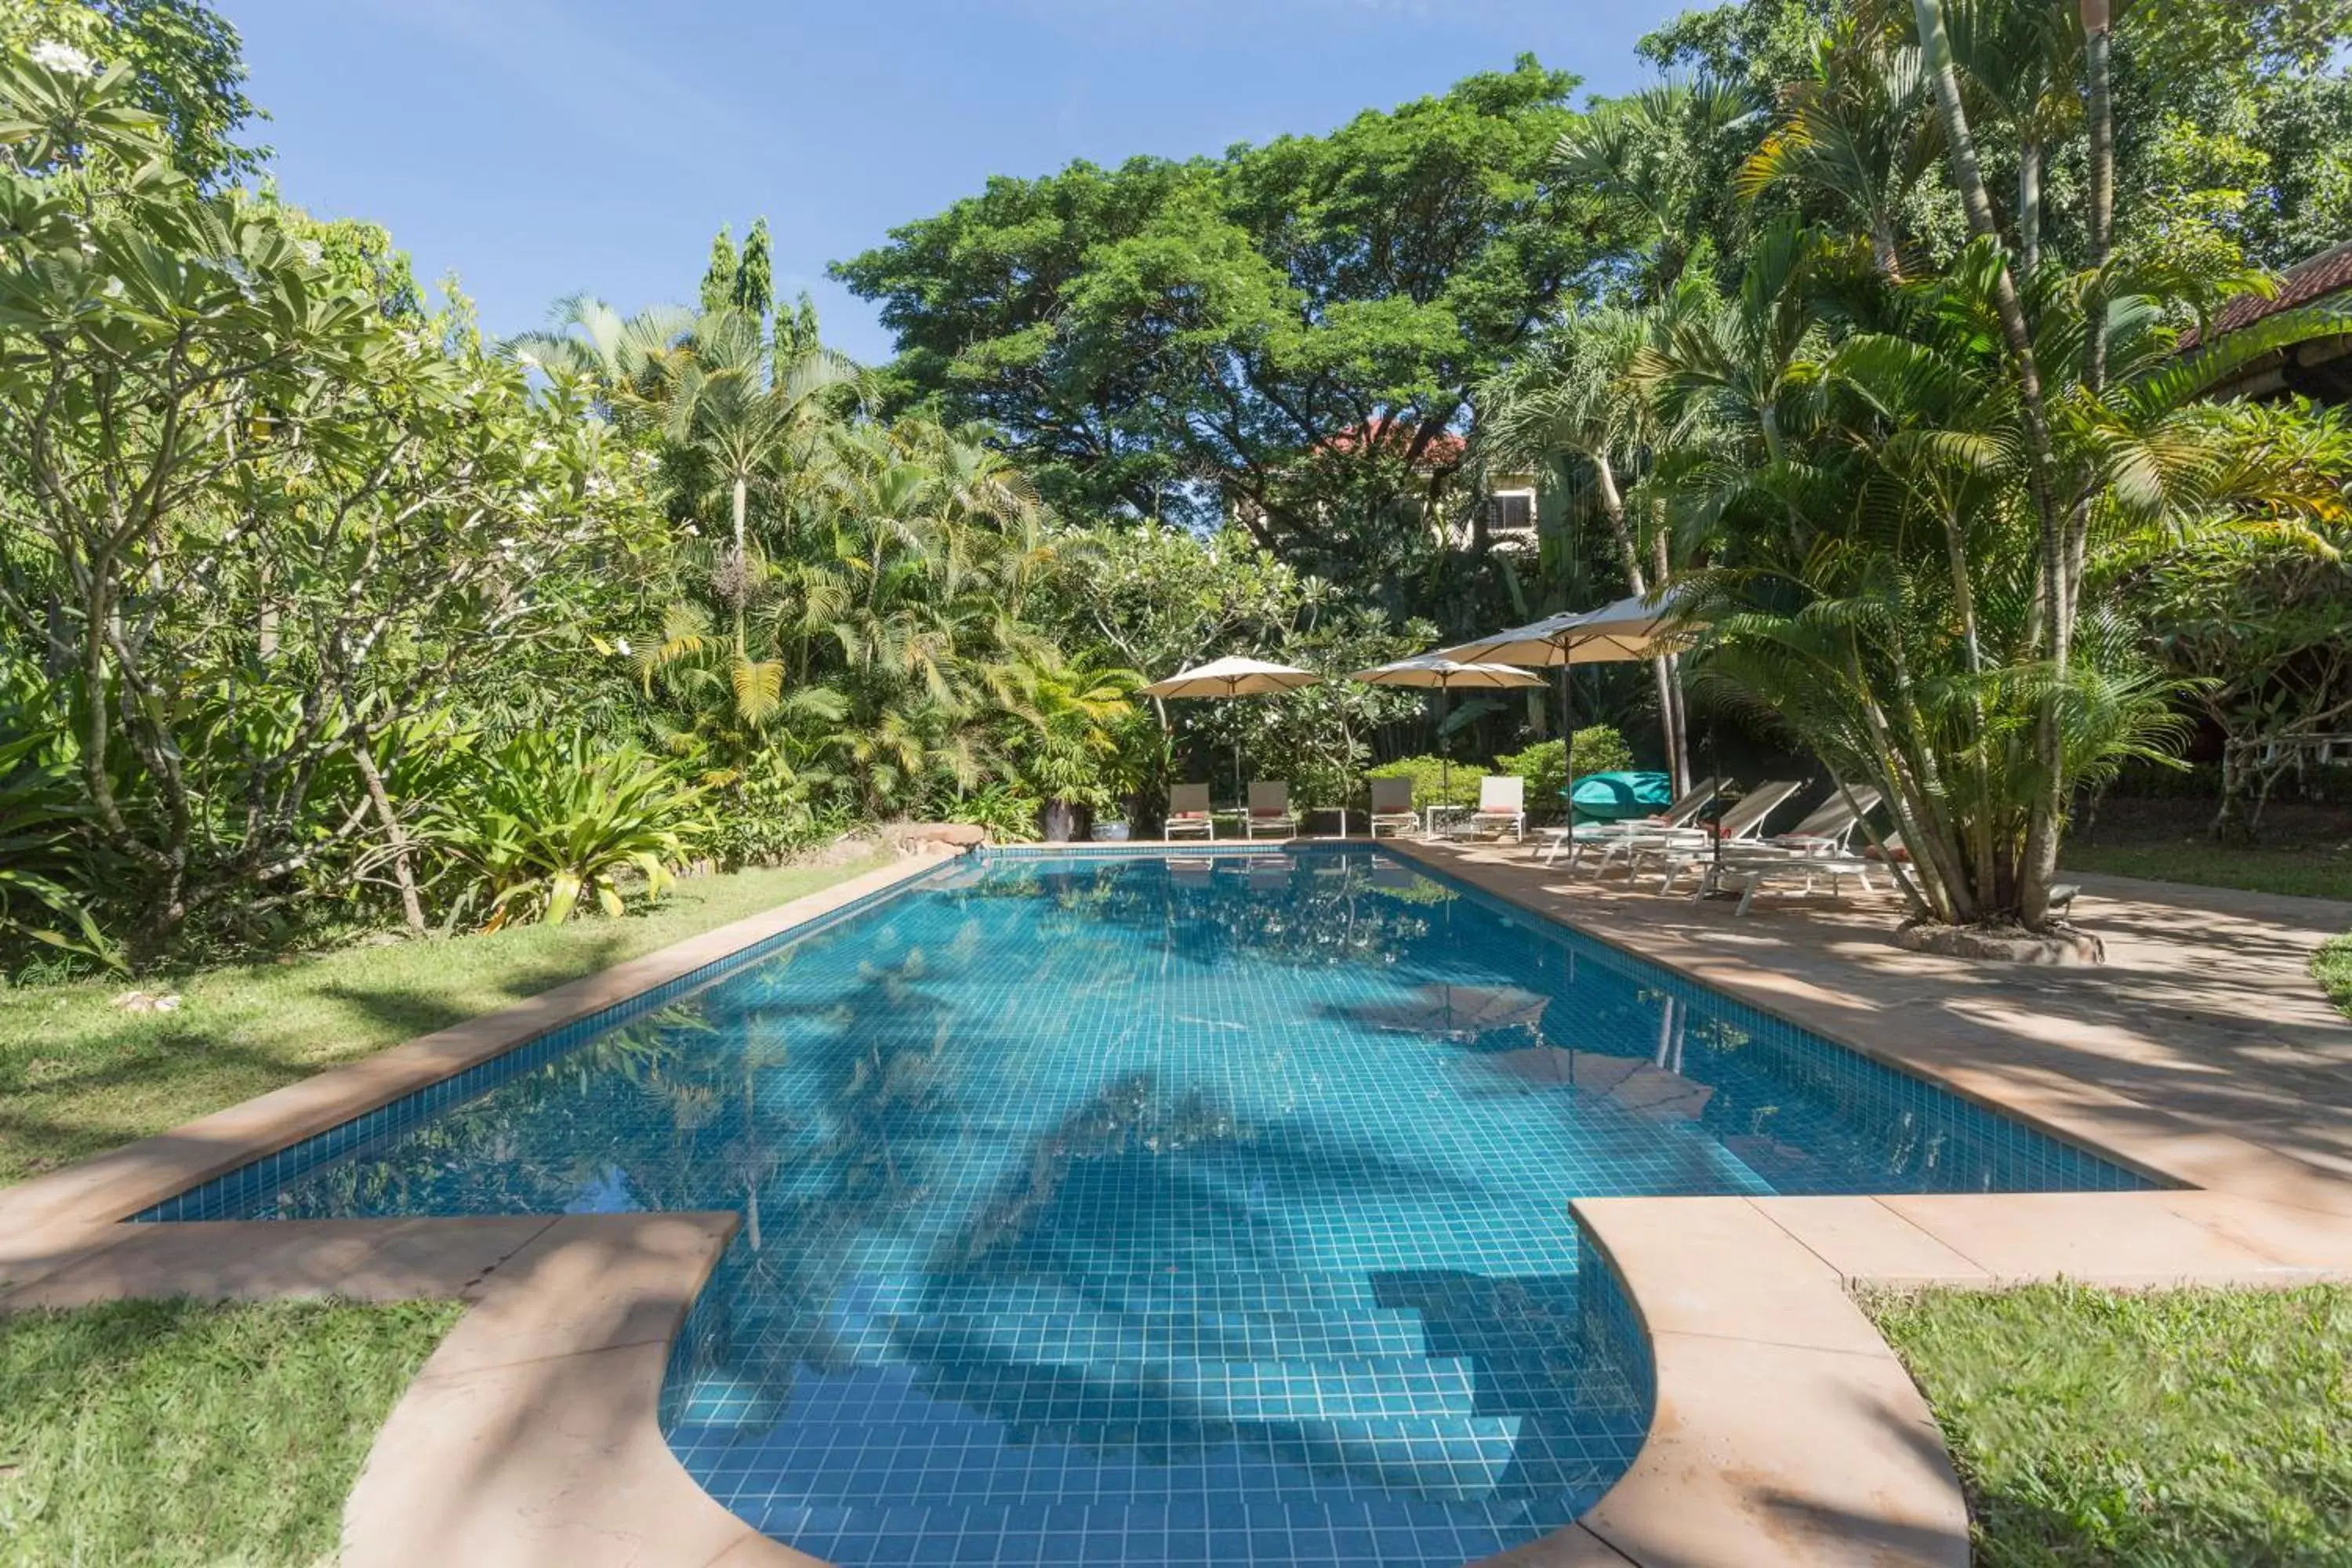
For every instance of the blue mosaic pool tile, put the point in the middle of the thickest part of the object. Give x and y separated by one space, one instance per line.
1136 1208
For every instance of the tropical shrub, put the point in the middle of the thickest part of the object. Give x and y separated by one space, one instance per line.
1598 748
1009 812
45 882
1428 776
547 823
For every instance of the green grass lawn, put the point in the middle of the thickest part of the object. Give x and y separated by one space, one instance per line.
2205 1427
2308 871
79 1074
172 1432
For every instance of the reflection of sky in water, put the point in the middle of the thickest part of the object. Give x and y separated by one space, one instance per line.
1117 1211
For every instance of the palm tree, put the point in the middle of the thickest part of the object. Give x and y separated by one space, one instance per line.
1579 393
724 400
617 354
1854 130
1651 149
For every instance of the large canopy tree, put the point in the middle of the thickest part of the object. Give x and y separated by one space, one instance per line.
1284 335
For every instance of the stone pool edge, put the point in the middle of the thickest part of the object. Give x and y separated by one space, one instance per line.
1784 1432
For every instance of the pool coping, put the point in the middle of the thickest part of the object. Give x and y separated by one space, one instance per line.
1785 1431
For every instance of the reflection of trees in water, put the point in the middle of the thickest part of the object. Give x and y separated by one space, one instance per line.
1123 1117
622 1118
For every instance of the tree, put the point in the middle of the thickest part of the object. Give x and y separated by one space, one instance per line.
186 68
1285 336
248 524
2252 618
719 278
754 291
1578 393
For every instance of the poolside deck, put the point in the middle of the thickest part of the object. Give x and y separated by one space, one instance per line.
1785 1431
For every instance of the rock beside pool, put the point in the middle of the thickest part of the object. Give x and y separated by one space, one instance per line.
2062 947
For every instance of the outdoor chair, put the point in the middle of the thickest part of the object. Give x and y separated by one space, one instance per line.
1270 813
1681 811
1502 808
1825 832
1744 819
1188 812
1751 875
1392 806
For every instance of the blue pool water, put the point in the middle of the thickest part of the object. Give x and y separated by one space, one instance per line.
1134 1209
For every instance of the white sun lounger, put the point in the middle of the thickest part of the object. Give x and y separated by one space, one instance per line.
1751 876
1744 819
1502 808
1270 813
1188 812
1823 833
1392 807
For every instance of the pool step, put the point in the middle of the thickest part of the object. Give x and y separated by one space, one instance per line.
1442 1459
1365 1530
1047 1322
1209 1393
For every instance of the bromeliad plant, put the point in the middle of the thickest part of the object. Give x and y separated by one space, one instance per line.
550 823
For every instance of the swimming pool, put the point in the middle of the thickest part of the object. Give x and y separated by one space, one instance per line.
1137 1208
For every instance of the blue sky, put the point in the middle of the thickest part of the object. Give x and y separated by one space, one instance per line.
539 147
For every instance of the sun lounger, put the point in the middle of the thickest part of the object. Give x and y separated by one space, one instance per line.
1682 812
1502 808
1751 876
1270 813
1825 832
1744 819
1188 812
1392 807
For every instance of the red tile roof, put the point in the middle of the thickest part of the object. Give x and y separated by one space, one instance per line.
2312 277
1443 450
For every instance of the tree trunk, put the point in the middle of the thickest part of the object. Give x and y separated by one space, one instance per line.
411 907
2046 814
742 566
2029 203
1612 509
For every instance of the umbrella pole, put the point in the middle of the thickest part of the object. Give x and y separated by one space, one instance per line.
1444 756
1568 734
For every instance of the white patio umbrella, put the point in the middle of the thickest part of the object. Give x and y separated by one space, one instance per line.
1637 626
1444 675
1234 677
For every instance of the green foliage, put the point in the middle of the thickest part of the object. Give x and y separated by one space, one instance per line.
546 822
1009 812
2331 965
718 276
754 292
2180 1426
165 1432
246 520
1137 331
1429 775
1598 748
184 62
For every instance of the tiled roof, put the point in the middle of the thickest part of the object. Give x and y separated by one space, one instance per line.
1443 450
2312 277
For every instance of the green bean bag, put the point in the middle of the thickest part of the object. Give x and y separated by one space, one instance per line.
1614 797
